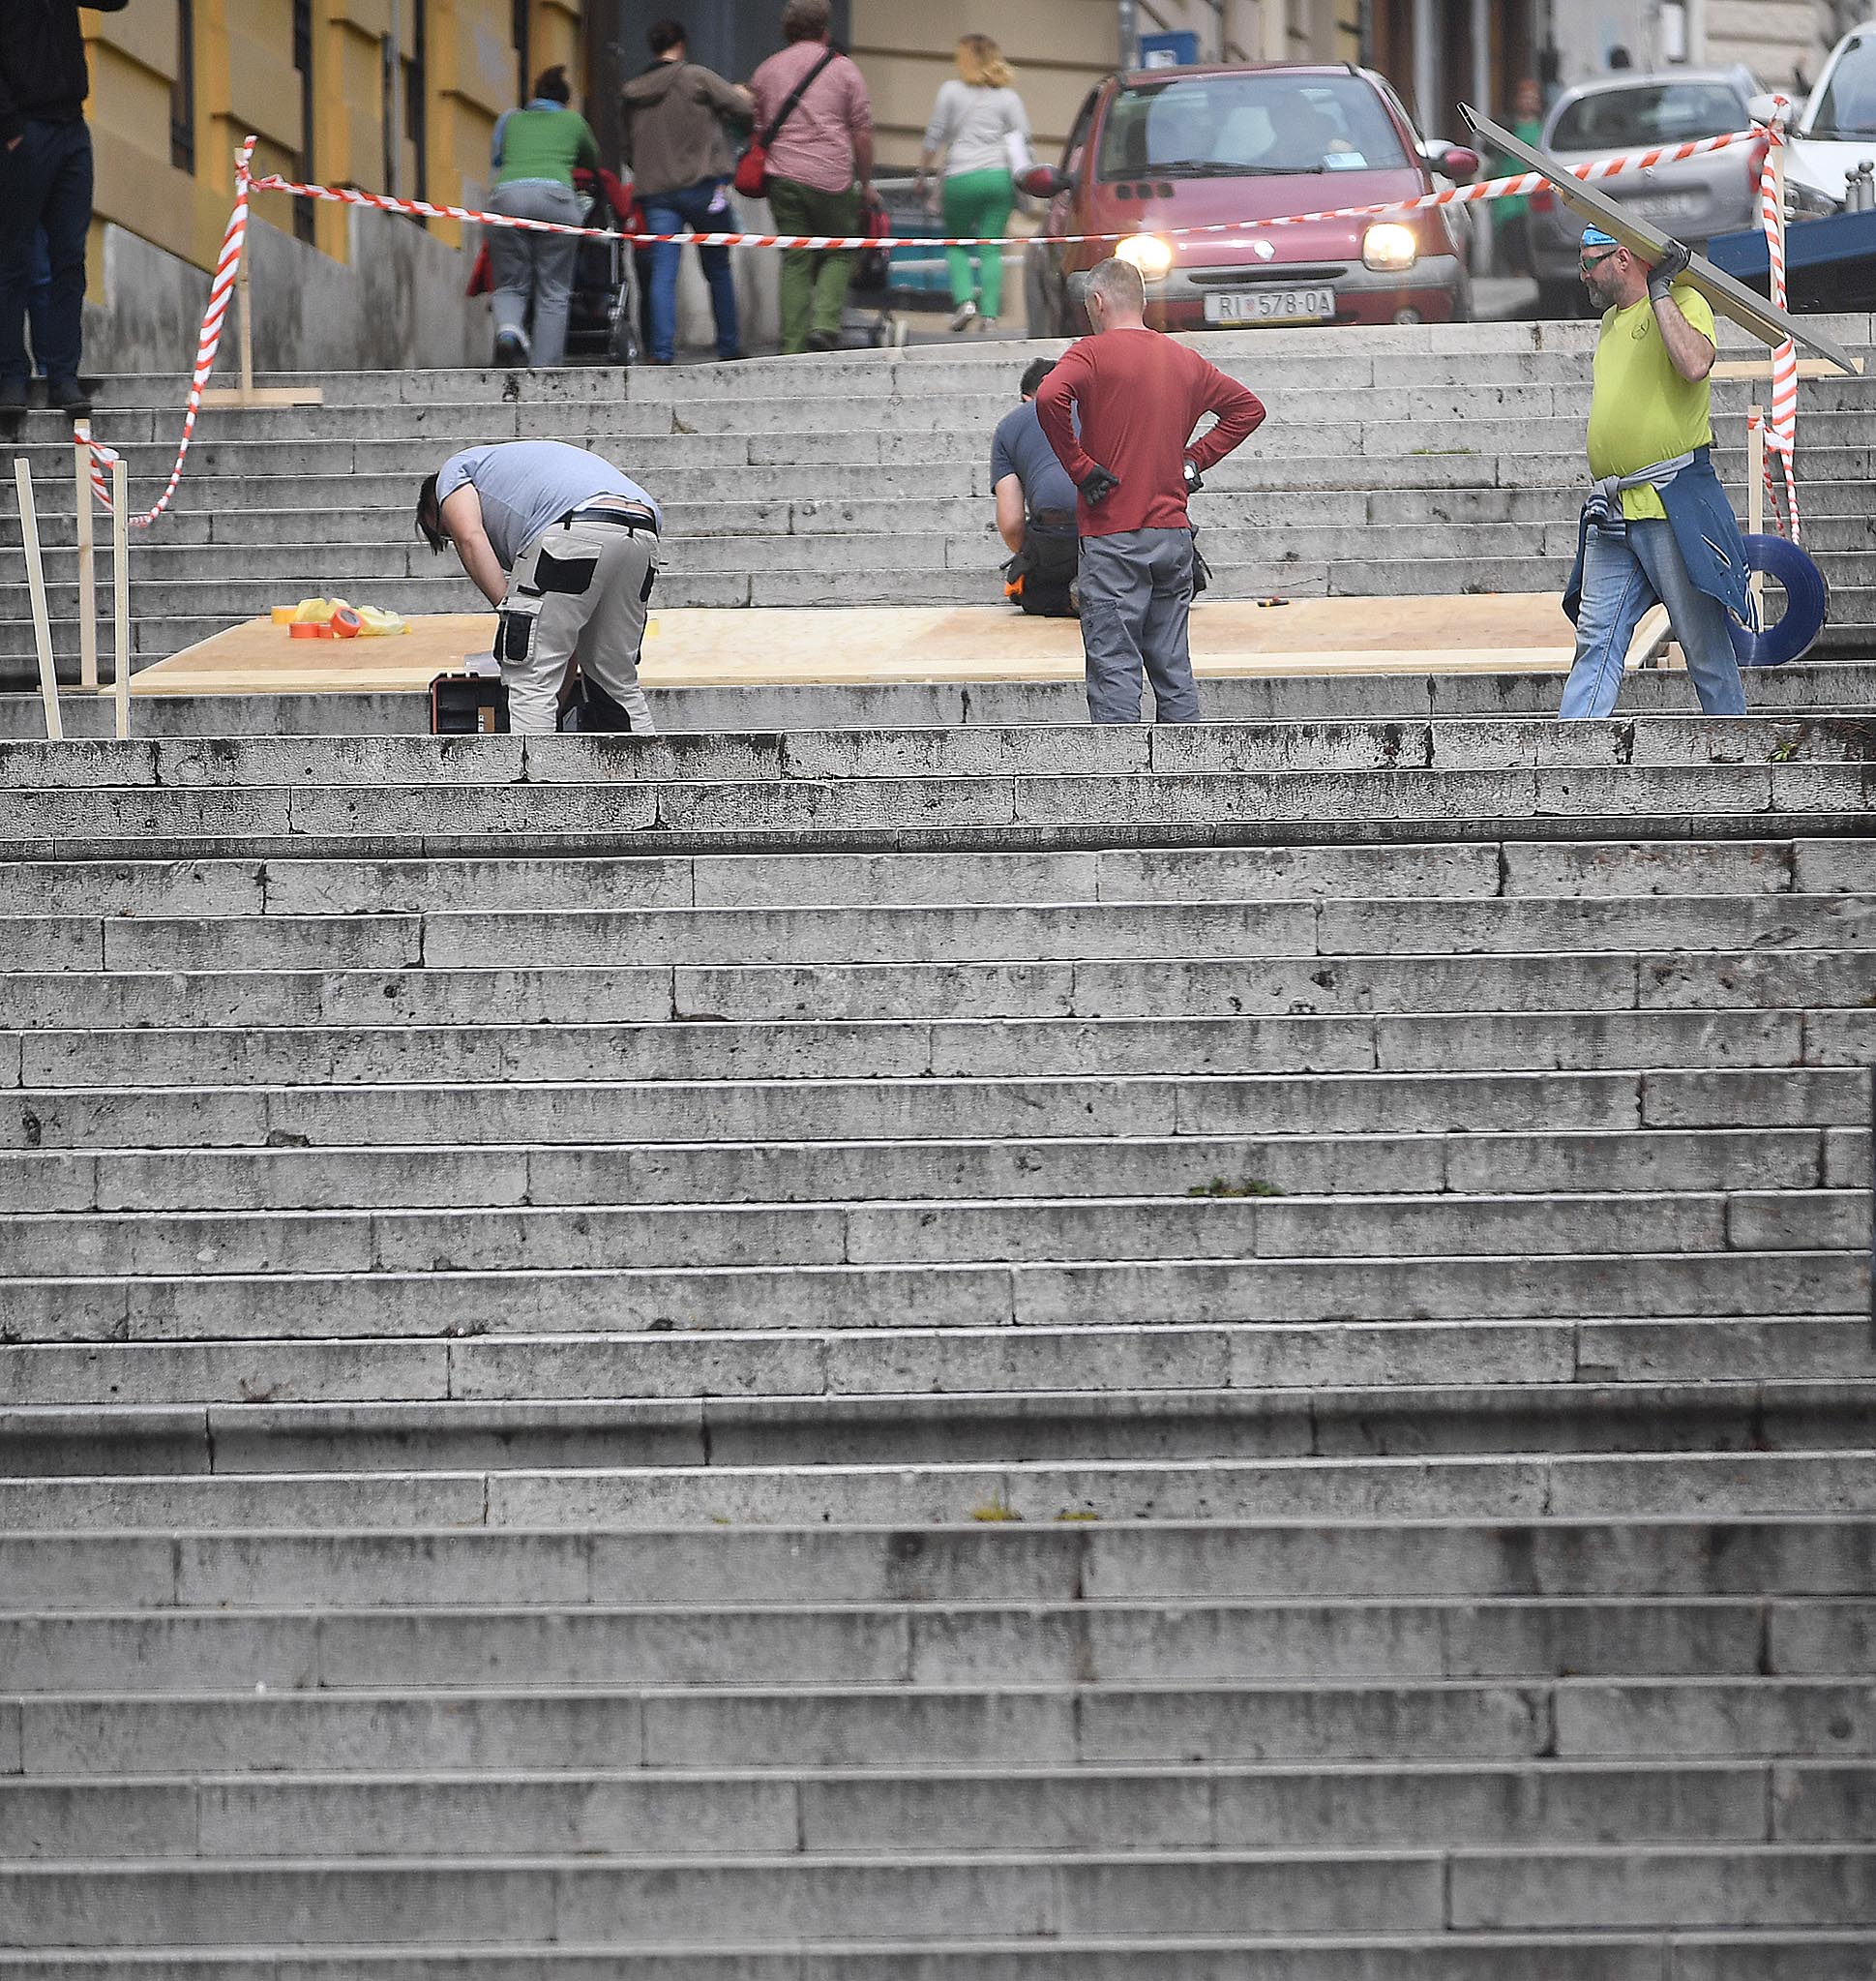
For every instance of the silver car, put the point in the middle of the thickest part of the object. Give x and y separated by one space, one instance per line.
1693 201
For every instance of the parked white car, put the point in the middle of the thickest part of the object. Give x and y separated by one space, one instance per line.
1836 132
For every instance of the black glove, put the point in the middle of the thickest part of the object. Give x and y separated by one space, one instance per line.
1098 486
1194 480
1674 262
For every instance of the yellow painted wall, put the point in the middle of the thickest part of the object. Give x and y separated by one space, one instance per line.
245 83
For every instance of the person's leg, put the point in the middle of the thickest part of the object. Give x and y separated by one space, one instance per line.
662 217
21 196
1700 623
65 214
1165 645
554 256
38 302
956 260
1115 589
839 213
1616 594
511 269
713 216
702 215
535 645
996 202
788 202
612 630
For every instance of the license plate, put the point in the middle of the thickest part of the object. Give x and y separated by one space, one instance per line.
1664 206
1271 305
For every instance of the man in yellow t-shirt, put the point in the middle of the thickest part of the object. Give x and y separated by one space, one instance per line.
1658 526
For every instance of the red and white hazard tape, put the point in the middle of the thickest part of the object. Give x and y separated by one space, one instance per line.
227 264
1781 429
1457 195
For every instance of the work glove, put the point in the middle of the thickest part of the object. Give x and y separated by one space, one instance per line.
1098 486
1194 480
1674 262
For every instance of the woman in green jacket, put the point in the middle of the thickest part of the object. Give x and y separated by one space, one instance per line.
536 149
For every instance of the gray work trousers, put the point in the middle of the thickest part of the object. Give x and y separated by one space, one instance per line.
530 267
579 591
1136 591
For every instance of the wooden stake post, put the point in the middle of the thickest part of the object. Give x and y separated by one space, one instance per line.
248 393
120 585
87 557
48 680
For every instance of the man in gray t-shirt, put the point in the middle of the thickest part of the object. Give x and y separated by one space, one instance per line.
565 548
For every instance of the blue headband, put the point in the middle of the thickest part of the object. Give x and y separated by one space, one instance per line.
1595 237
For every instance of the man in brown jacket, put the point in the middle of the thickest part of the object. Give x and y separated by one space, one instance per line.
680 160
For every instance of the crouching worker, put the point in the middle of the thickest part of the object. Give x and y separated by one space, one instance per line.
565 548
1658 524
1036 508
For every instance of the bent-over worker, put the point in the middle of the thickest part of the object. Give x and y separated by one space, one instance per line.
1139 395
1657 525
1035 507
565 548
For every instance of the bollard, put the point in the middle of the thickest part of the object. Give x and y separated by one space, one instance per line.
48 680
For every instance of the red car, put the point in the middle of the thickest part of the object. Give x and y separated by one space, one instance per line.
1158 149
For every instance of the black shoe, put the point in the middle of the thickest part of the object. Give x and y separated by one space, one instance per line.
13 397
68 396
823 339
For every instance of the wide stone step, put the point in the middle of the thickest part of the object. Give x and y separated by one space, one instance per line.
930 935
935 1361
1094 1807
212 888
1473 1955
953 1644
1116 1422
1370 1556
412 1176
959 813
502 1902
949 1232
246 1731
1799 687
1424 1486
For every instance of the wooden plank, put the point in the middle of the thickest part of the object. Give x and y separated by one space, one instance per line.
1731 299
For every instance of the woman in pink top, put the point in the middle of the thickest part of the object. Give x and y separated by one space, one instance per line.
821 168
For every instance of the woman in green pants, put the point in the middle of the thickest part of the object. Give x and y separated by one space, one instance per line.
980 126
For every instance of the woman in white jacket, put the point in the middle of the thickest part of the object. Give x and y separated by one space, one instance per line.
980 126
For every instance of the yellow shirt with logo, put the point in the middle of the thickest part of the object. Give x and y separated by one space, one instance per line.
1642 409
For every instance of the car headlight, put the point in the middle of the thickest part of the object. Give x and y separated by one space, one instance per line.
1148 252
1387 245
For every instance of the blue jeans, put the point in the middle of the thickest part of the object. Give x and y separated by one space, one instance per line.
1623 574
670 212
44 185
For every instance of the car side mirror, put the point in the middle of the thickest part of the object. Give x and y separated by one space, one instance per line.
1042 182
1456 162
1764 107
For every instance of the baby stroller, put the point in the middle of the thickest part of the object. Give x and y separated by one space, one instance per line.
603 312
867 324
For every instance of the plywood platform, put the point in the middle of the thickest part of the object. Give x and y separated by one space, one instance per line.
760 646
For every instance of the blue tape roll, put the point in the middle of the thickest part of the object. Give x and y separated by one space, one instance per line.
1808 604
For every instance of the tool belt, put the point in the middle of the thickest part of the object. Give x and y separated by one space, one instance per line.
627 515
1041 576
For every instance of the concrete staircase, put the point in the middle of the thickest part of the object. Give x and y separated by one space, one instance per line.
991 1352
1437 460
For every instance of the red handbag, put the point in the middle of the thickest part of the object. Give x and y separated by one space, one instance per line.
752 164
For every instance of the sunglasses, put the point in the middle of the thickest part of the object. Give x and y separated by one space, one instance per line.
1587 263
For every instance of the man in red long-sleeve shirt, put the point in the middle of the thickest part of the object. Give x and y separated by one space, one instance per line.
1139 395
